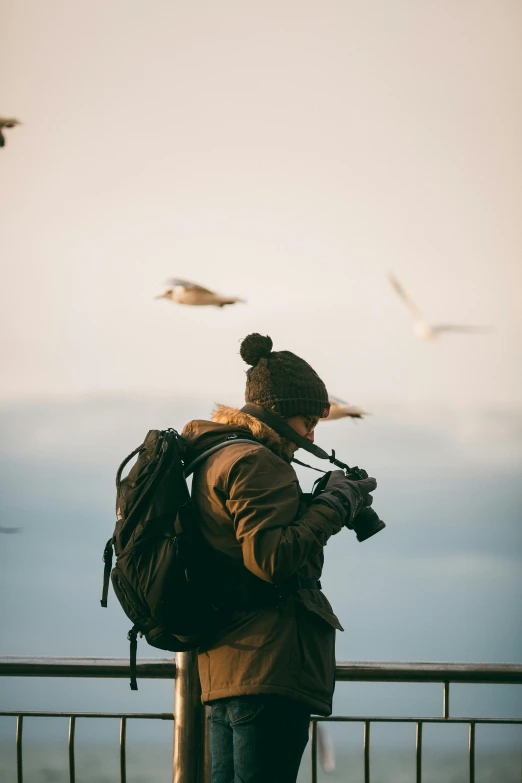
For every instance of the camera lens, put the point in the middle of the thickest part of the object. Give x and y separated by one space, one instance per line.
367 524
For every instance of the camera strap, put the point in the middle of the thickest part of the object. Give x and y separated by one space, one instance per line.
282 428
305 465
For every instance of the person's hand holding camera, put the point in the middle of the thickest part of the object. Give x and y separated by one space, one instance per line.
348 496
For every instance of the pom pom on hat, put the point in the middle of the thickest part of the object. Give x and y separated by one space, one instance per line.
255 347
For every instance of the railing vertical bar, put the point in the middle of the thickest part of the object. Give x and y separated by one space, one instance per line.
123 750
366 751
19 764
189 716
471 752
445 700
313 750
207 764
418 753
72 731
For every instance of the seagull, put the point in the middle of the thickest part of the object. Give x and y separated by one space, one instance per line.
339 409
6 123
10 530
184 292
325 749
422 329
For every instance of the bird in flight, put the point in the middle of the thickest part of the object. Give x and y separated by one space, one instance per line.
325 747
187 293
422 329
9 531
339 409
6 122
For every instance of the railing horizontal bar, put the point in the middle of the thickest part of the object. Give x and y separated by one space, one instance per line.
315 719
363 671
147 668
382 671
389 719
41 714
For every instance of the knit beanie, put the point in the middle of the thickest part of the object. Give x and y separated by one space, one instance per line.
282 382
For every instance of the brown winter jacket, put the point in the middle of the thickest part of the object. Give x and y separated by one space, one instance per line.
252 510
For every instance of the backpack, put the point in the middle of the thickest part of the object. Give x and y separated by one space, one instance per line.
164 576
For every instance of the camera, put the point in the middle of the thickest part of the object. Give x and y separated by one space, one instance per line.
366 523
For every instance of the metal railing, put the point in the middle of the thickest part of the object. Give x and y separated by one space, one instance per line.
443 673
191 757
157 668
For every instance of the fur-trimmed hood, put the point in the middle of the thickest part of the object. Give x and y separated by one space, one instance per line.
201 434
262 432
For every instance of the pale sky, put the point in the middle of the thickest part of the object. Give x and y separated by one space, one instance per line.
287 152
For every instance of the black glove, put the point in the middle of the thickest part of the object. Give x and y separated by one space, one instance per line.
349 497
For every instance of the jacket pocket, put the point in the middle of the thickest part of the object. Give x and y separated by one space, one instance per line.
320 607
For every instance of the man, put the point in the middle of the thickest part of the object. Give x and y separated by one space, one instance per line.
273 664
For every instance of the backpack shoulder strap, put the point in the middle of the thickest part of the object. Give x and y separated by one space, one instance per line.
183 522
217 447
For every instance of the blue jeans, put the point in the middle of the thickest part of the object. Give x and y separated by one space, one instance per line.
257 739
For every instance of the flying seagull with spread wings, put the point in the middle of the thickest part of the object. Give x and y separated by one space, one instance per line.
422 329
187 293
339 409
6 122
